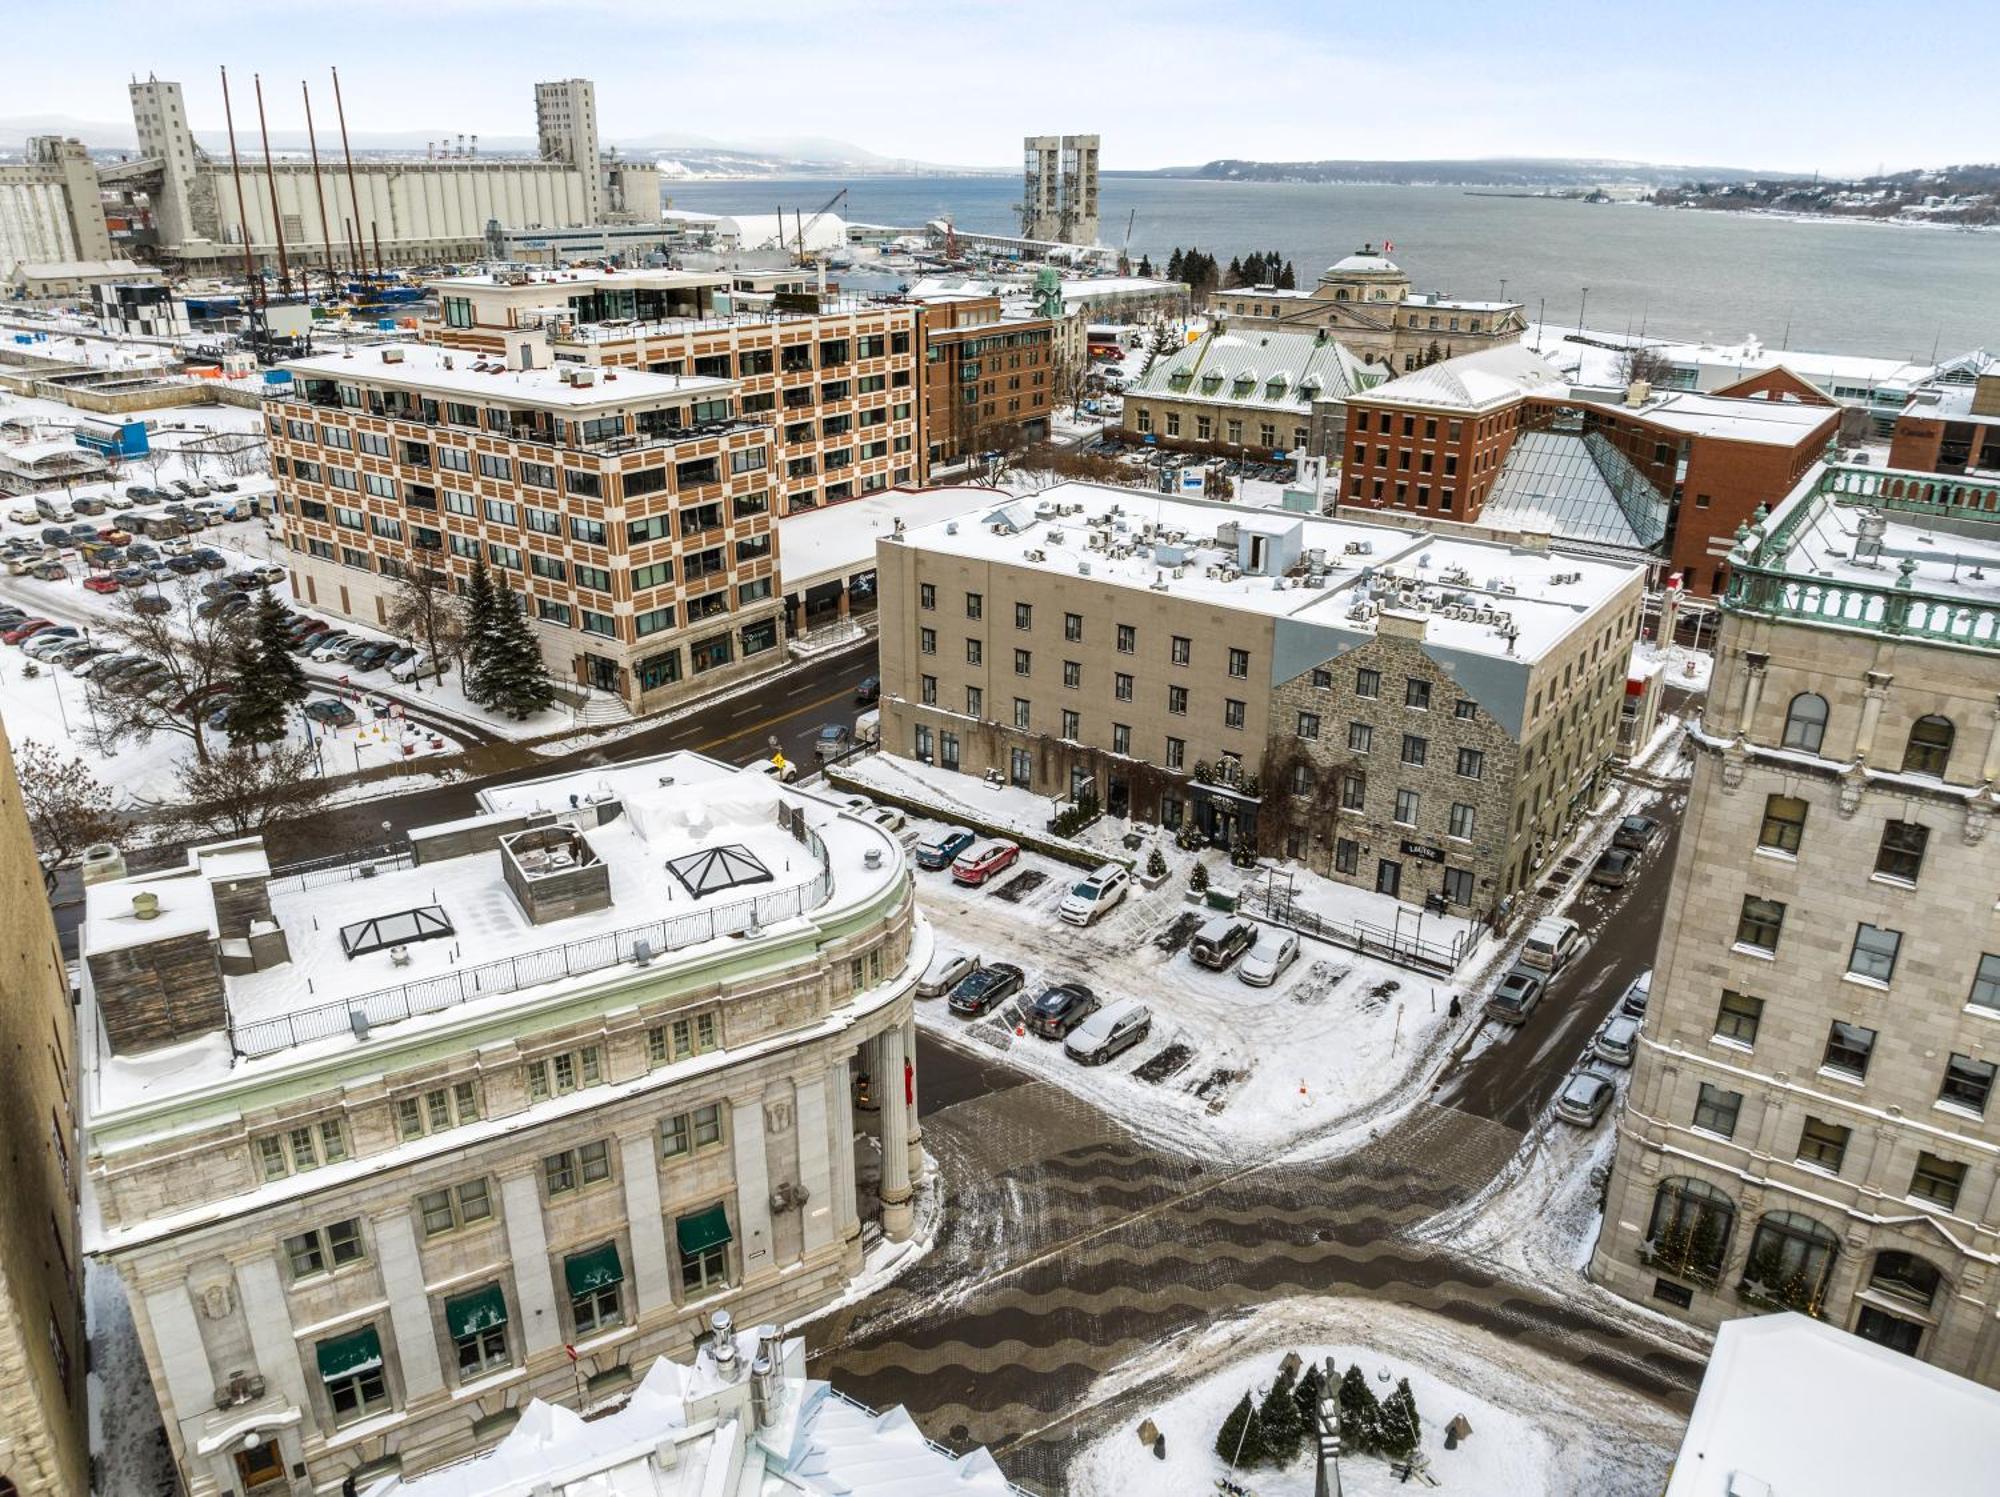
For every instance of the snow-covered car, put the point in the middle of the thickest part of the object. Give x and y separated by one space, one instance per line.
1221 941
1095 895
331 646
1584 1098
1634 1001
411 667
1109 1032
783 770
1519 991
947 970
942 849
1614 867
1617 1042
1267 964
1551 943
1060 1009
1635 833
979 863
986 988
886 817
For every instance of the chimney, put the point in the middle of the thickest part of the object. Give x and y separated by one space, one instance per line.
722 1346
1638 393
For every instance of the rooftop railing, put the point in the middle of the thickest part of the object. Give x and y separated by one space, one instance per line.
622 330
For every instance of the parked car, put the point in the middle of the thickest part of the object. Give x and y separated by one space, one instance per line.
137 683
329 713
78 662
24 514
139 492
886 817
1110 1032
1617 1042
54 509
100 584
208 558
218 713
117 669
1550 945
869 691
1519 991
86 504
1584 1098
49 571
182 566
947 970
985 989
152 605
1634 1001
328 645
1060 1009
1095 895
56 536
367 656
143 551
1636 833
97 664
1614 867
832 741
47 641
941 850
26 629
1267 964
415 663
78 534
1222 940
978 863
266 575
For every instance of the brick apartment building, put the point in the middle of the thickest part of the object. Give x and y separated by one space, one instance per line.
1438 441
1950 428
989 377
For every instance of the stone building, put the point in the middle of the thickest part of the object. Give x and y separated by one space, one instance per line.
1811 1122
1364 301
384 1151
1416 714
42 1441
989 375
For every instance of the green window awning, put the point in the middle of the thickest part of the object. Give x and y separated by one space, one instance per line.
481 1310
589 1271
703 1230
350 1355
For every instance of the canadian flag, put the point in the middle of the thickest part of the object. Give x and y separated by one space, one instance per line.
571 1350
1388 246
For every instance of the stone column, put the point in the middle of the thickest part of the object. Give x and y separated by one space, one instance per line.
652 1280
916 1126
1753 691
270 1322
1872 698
409 1307
1990 770
184 1368
840 1141
753 1187
819 1218
528 1246
896 1214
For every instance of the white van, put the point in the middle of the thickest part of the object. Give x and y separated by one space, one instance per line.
1551 944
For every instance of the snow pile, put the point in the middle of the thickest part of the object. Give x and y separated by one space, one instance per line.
127 1441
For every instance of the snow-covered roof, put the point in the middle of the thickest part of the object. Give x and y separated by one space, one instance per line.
427 366
1258 368
1478 381
1363 262
85 270
1118 285
687 1428
1781 423
817 545
1760 1422
782 230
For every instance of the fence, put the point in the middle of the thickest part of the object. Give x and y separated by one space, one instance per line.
529 969
296 878
1358 935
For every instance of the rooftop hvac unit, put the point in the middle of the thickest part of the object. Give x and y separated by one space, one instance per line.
951 527
1054 537
1083 569
392 355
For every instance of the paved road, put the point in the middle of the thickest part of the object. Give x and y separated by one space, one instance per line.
1070 1247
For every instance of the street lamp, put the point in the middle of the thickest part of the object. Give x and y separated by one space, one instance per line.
1582 302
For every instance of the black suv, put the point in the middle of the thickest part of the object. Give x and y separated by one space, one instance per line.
1060 1009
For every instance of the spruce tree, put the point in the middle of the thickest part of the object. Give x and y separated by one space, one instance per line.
481 615
1279 1422
1360 1413
515 677
1145 267
1240 1441
1288 278
1401 1429
1175 266
1306 1395
269 680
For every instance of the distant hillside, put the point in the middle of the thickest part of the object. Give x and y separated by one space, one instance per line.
1968 195
1503 172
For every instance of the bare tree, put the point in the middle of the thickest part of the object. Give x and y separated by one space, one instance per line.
156 459
425 611
197 654
239 792
194 458
245 458
68 808
1069 378
1857 426
1644 363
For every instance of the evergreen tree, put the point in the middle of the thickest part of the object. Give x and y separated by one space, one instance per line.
1235 276
1279 1422
1401 1429
1360 1413
269 681
1306 1396
1433 354
1175 267
481 611
515 677
1240 1441
1288 279
1146 267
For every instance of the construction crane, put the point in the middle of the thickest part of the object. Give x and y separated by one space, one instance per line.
807 224
1125 249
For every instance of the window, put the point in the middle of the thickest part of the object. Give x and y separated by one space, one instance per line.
1072 674
574 1168
1024 616
350 1366
1239 663
1848 1047
975 701
1128 639
299 1149
1715 1110
1874 953
1232 713
1929 748
1901 854
1937 1180
554 1075
1415 750
927 641
1986 984
975 652
927 595
1759 924
1737 1018
1180 649
454 1207
1472 763
1417 694
1121 686
595 1279
1967 1083
1784 823
1791 1257
477 1324
1177 700
1407 802
1121 738
1463 820
438 1109
1805 722
597 579
975 606
1073 627
1464 710
1906 1276
703 1240
1308 725
1458 885
1353 792
1367 683
1176 753
324 1249
1072 726
1360 738
686 1132
1690 1228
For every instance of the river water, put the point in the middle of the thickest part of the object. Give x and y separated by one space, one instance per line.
1826 286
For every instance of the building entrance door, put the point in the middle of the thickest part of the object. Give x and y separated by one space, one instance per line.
1388 876
602 672
262 1465
1889 1330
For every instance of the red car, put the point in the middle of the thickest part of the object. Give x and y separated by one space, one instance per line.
27 629
981 861
100 584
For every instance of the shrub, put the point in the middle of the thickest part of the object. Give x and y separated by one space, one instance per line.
1198 878
1156 864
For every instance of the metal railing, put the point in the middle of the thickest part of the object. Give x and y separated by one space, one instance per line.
356 1015
1357 935
316 873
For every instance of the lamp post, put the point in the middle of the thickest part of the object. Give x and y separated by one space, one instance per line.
1582 302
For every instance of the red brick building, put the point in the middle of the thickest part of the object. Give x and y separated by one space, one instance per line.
1949 429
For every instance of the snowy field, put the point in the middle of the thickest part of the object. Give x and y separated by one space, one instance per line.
1540 1427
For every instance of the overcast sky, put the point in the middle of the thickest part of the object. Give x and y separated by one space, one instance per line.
1784 84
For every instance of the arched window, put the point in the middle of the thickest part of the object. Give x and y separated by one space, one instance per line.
1341 294
1805 722
1791 1258
1906 1276
1929 748
1689 1235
